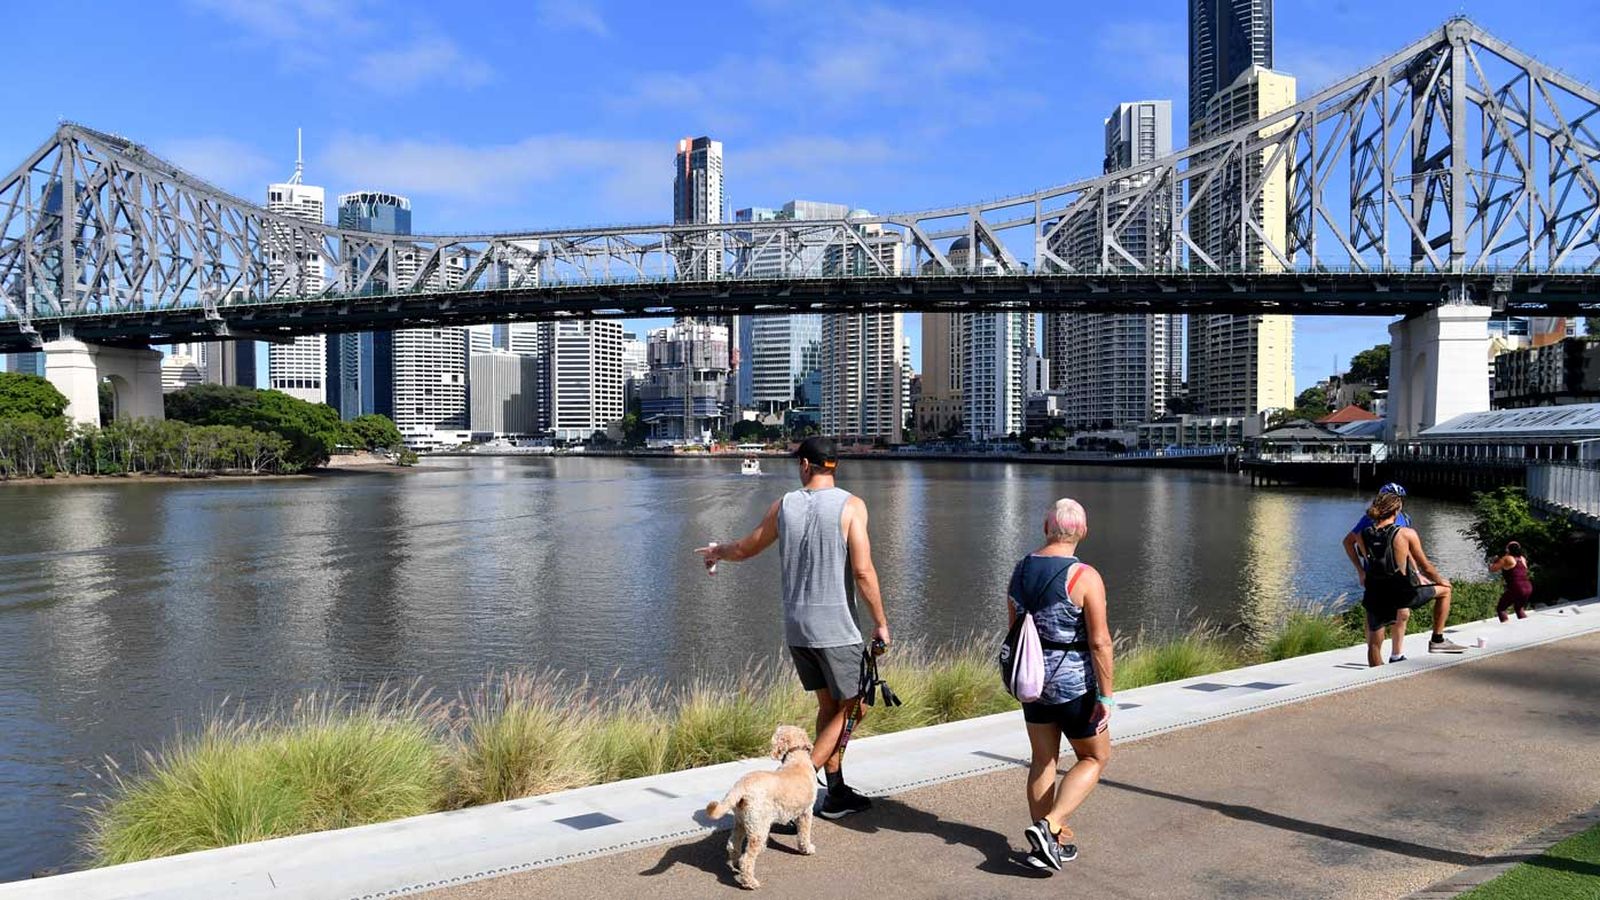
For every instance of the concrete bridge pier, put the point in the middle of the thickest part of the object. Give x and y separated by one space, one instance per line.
76 369
1437 368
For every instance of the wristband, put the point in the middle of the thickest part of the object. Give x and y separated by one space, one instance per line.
1108 702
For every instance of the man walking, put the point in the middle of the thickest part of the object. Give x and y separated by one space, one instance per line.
821 531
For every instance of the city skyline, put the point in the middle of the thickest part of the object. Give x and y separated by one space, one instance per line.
874 146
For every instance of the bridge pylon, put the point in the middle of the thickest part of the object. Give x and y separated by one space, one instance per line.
1437 363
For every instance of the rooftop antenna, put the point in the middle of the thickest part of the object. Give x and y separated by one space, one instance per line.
299 158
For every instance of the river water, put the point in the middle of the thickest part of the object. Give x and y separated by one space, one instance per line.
129 610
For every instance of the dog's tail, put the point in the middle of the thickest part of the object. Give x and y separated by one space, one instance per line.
716 809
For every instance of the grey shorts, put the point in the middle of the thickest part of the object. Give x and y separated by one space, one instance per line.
836 668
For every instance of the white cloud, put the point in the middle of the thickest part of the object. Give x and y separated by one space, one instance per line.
318 35
506 174
574 14
844 58
435 59
229 164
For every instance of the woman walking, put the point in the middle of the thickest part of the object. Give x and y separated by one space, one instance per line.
1068 602
1513 567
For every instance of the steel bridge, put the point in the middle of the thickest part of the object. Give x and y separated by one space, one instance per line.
1457 169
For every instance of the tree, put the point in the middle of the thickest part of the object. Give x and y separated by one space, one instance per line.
375 432
1591 325
1363 399
1370 367
313 430
634 430
29 395
746 430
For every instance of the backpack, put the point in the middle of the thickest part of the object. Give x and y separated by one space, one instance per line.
1021 655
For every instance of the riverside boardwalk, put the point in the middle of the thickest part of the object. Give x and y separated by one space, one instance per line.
1374 792
1310 777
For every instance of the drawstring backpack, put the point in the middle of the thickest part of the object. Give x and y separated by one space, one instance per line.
1021 654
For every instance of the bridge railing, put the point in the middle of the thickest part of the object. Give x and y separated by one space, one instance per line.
1571 488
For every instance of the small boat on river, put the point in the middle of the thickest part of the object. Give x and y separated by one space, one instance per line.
750 466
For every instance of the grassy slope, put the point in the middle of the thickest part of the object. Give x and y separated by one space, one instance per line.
1569 870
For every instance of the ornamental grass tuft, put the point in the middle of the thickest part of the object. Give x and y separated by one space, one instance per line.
521 736
1305 632
1201 650
324 763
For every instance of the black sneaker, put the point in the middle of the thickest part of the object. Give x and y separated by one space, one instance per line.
838 804
1047 848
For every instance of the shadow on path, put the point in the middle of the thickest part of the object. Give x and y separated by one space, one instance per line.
1313 829
889 814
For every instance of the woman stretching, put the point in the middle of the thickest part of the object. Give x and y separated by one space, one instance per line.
1513 566
1068 602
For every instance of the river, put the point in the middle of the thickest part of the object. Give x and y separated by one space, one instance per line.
128 610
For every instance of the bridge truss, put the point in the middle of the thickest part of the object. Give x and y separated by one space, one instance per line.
1457 168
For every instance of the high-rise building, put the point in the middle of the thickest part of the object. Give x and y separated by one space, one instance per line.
295 269
178 371
1242 365
938 409
430 385
24 363
863 387
635 368
585 377
698 199
361 366
480 338
993 359
777 352
505 393
1226 38
681 398
1118 371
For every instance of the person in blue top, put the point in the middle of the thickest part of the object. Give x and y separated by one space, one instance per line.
1352 541
1067 599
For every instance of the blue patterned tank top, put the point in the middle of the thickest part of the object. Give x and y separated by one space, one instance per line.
1039 586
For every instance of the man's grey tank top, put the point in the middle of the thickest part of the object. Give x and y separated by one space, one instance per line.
819 597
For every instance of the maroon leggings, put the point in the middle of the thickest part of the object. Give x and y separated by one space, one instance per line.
1514 597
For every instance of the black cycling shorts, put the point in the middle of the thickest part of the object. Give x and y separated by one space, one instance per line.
1075 717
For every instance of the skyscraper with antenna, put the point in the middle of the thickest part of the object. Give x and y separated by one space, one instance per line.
295 269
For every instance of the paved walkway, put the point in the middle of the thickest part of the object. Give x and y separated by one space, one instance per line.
1373 792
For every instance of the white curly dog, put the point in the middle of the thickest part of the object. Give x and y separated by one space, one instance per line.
761 799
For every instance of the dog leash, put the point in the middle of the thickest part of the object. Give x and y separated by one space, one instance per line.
869 685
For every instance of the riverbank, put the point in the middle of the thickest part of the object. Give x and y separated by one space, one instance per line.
322 762
337 466
1146 459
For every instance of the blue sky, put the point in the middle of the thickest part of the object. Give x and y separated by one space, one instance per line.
503 115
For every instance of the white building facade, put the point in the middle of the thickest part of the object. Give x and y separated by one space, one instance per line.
505 394
298 368
585 378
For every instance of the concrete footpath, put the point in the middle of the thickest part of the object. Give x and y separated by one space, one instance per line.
1375 791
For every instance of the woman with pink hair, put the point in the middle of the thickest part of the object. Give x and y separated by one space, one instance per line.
1067 600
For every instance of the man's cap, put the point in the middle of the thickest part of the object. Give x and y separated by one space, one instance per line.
819 451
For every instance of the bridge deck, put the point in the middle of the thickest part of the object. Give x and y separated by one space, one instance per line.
1297 293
